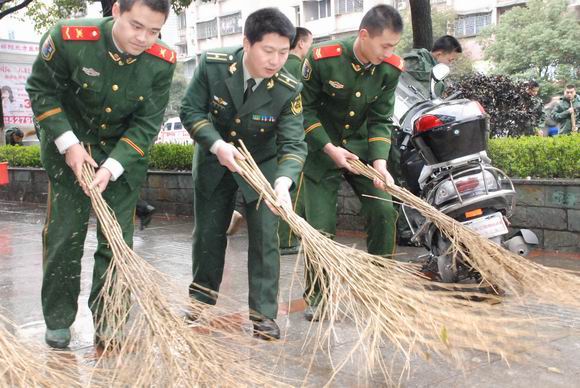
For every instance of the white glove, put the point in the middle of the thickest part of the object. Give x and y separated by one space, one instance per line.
227 155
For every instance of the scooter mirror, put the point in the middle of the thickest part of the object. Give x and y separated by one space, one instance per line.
440 71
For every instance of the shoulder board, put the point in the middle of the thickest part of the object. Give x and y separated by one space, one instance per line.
334 50
162 52
395 61
80 33
219 57
286 80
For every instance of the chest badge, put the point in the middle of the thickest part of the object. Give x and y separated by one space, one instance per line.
336 84
220 101
91 72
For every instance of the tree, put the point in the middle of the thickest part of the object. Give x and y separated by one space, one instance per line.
439 23
535 41
8 7
178 89
422 24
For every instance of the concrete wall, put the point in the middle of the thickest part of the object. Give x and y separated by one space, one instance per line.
551 208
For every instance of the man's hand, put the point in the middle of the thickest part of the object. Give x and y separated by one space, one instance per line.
381 166
340 156
571 110
227 155
75 157
101 180
282 189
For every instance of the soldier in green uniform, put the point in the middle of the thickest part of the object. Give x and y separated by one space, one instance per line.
562 113
348 83
14 136
298 50
90 110
419 62
244 94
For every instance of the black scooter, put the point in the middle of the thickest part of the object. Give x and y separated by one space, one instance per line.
443 160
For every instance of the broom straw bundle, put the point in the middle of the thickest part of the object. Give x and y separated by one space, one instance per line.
154 345
27 365
389 301
498 266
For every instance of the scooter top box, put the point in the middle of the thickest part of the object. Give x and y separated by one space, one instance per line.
451 130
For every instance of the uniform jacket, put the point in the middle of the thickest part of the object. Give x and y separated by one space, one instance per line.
346 104
269 122
116 102
293 66
561 115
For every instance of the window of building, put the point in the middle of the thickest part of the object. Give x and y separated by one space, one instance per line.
318 9
181 21
231 24
470 25
181 49
207 29
348 6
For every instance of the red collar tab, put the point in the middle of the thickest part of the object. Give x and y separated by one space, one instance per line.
162 52
334 50
80 33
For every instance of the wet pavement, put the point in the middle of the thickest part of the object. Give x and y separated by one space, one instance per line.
167 245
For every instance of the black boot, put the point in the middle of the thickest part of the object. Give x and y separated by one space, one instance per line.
266 329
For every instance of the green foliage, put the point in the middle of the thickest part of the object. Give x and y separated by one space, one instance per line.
532 38
171 157
18 156
537 157
44 14
178 88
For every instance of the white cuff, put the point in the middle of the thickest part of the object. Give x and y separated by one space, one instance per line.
114 168
64 141
283 180
217 144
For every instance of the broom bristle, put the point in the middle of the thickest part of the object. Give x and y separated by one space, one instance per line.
389 301
146 341
499 267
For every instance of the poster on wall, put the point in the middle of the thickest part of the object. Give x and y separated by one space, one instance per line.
15 101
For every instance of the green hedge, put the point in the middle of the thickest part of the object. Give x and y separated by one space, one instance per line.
20 156
163 156
538 157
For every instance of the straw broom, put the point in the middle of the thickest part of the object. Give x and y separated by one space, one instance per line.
498 266
27 365
155 346
389 301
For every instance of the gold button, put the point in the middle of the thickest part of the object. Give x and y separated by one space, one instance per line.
108 110
140 98
103 143
347 126
85 85
344 141
333 94
120 63
351 113
104 126
238 121
233 133
358 94
215 112
115 88
262 130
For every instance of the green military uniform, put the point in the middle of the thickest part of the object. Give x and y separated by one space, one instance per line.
82 83
8 137
270 124
288 240
419 63
561 115
348 105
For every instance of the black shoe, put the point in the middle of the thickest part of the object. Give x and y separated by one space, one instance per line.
57 338
266 329
145 216
289 250
311 313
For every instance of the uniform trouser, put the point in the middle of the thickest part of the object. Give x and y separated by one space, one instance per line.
212 216
64 235
394 166
287 238
321 205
